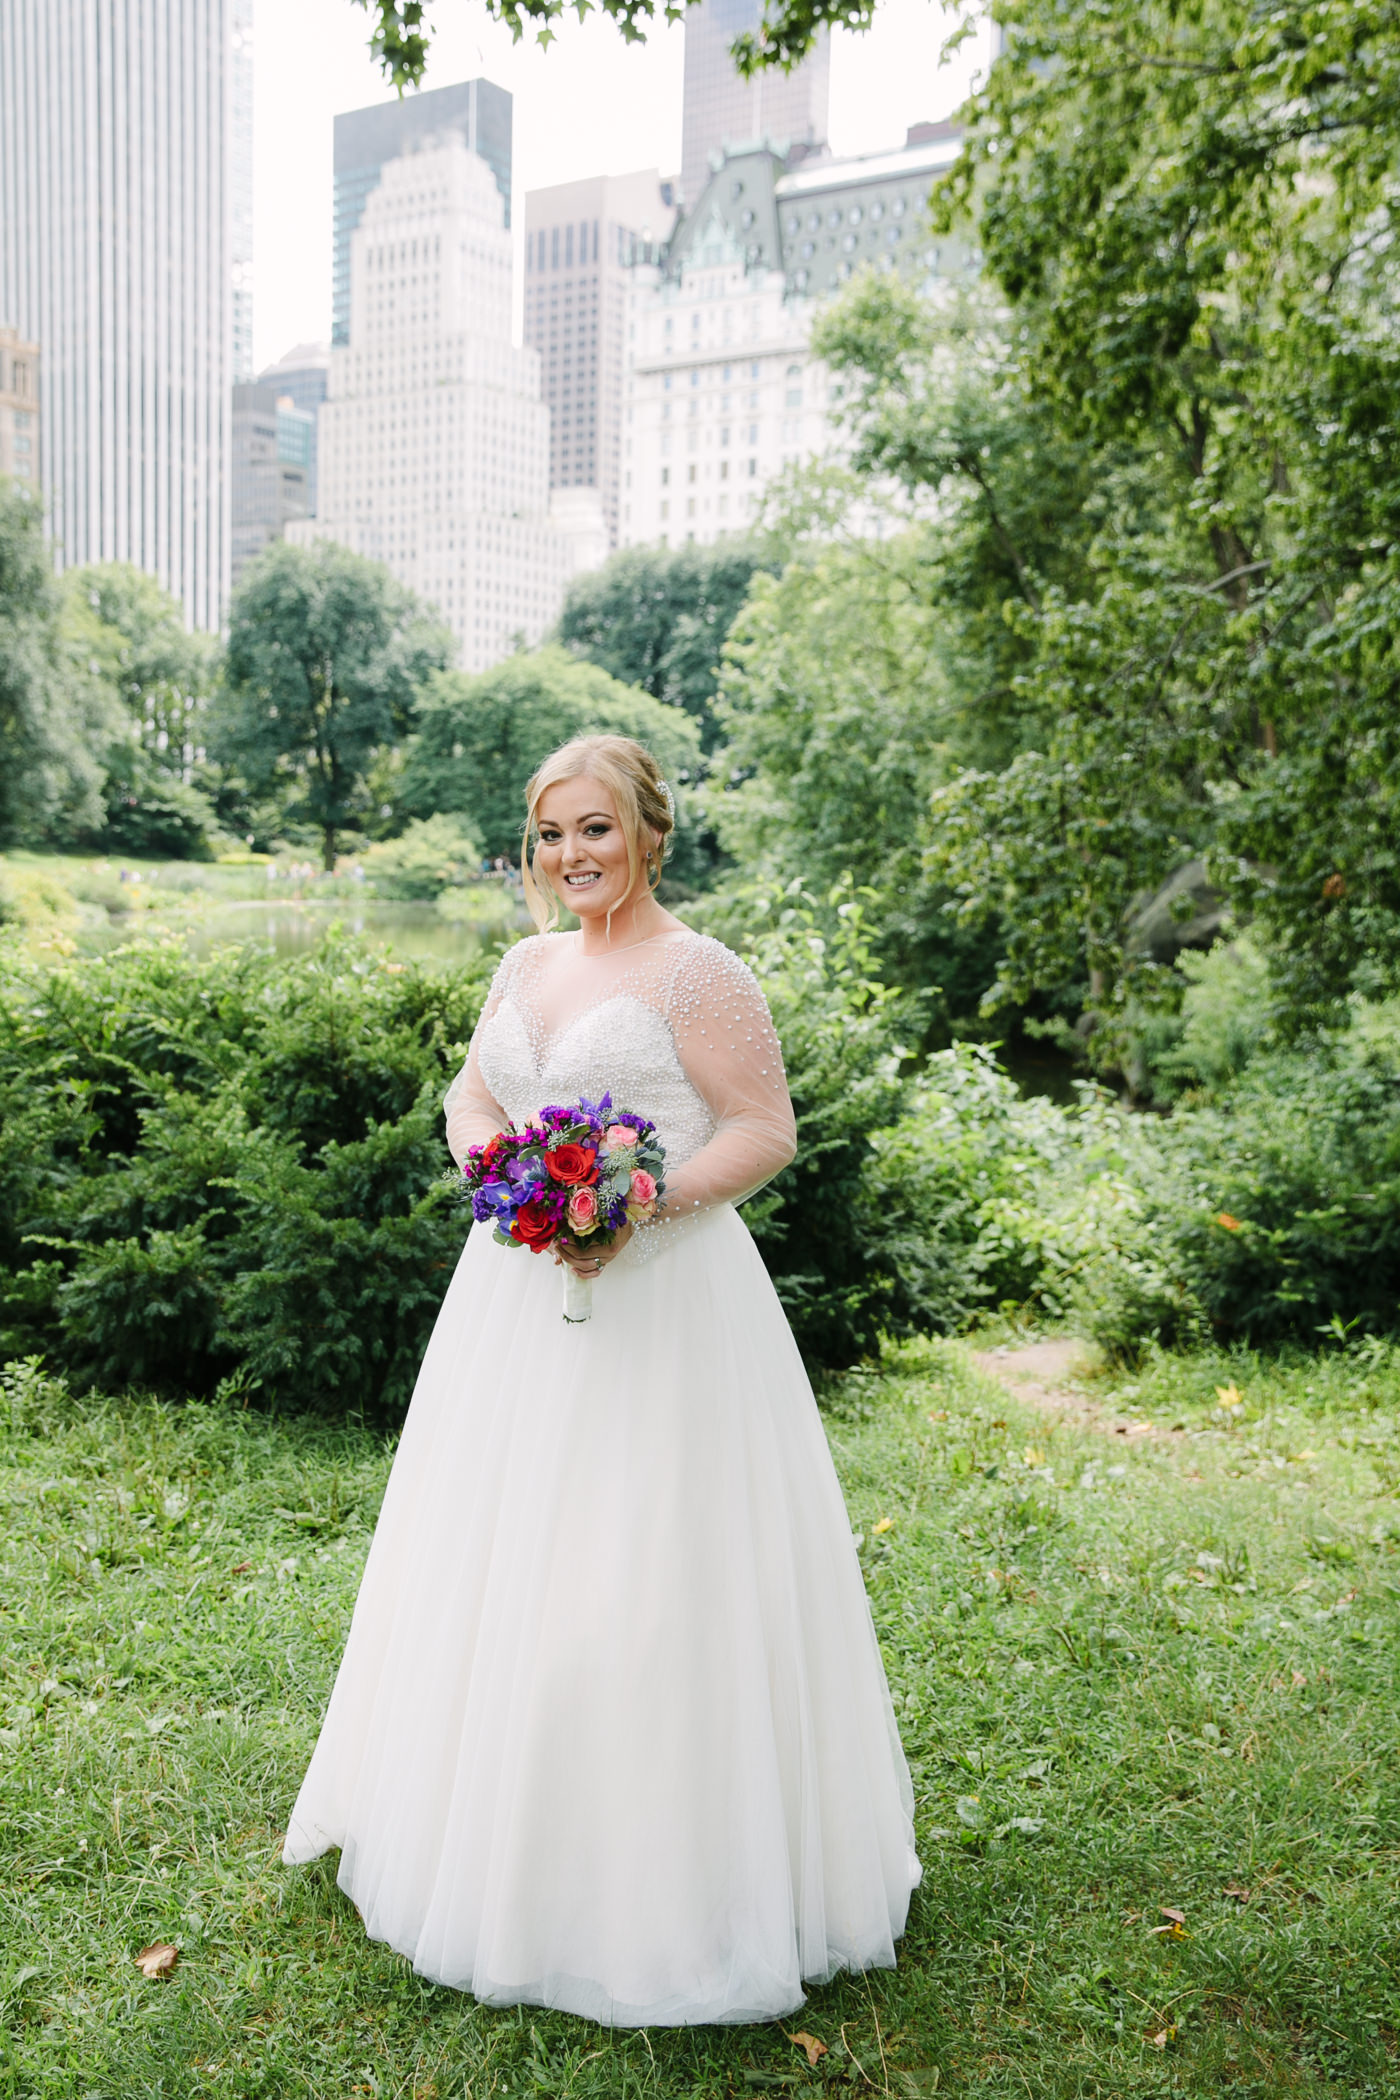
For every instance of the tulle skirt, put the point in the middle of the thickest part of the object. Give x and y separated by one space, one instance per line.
611 1732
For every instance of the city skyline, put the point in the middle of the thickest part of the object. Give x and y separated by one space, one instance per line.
588 106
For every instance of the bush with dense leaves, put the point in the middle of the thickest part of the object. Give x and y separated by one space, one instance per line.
1279 1215
229 1169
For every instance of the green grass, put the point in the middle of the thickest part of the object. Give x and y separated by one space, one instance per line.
1132 1671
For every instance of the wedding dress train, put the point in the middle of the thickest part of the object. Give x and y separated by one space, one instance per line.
611 1732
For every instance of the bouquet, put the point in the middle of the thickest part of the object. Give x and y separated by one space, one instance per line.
573 1179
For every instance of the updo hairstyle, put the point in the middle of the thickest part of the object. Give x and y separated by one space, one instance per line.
628 770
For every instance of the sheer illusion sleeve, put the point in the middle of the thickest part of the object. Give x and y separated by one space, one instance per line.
472 1114
730 1052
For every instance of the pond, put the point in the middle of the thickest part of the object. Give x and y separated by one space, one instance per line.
292 926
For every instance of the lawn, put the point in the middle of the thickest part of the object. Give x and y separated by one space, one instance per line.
1147 1682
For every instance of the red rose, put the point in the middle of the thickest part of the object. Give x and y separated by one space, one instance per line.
534 1226
571 1163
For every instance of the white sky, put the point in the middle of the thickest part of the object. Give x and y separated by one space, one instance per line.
587 105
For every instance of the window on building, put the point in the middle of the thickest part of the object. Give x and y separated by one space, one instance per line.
724 470
753 468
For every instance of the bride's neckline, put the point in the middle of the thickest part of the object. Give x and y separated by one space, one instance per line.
668 933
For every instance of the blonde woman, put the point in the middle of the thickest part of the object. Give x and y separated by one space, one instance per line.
611 1732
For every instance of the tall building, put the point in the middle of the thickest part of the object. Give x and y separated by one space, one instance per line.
581 239
272 443
722 112
302 377
723 392
19 409
125 135
478 112
434 441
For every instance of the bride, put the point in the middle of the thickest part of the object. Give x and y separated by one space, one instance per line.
611 1732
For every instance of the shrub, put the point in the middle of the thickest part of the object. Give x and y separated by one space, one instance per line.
431 855
229 1167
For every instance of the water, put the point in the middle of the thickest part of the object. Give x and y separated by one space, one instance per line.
292 926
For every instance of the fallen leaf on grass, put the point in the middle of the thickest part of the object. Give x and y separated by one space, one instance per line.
815 2049
1034 1455
940 1414
1175 1928
1178 1917
1229 1396
242 1568
158 1960
1233 1889
885 1524
1160 2040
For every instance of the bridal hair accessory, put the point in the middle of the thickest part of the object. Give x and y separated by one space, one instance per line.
579 1175
668 798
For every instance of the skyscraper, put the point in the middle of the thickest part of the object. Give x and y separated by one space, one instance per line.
434 442
581 239
475 110
722 112
272 441
19 409
303 377
125 127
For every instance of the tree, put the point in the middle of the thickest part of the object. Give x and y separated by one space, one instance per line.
789 29
658 619
55 716
480 738
131 635
1189 214
327 657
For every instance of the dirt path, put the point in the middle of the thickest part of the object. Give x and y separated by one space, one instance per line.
1041 1376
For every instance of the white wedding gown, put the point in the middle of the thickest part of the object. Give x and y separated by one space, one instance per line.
611 1731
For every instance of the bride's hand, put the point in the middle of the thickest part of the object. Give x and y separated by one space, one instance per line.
587 1259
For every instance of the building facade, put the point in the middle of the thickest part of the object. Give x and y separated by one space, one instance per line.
723 392
581 239
19 409
721 112
434 440
272 441
125 129
476 111
302 377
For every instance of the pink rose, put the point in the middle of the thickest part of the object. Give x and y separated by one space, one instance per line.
619 1134
643 1187
582 1213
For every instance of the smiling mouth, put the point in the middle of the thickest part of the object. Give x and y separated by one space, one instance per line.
584 881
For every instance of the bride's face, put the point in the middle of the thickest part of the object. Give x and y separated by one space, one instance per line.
583 847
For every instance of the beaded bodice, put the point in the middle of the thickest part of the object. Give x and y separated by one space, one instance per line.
621 1046
675 1029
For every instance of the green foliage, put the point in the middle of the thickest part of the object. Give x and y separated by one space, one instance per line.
1166 475
432 854
837 715
1278 1215
55 714
403 28
327 657
1140 1672
658 617
227 1166
480 738
842 1033
130 636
